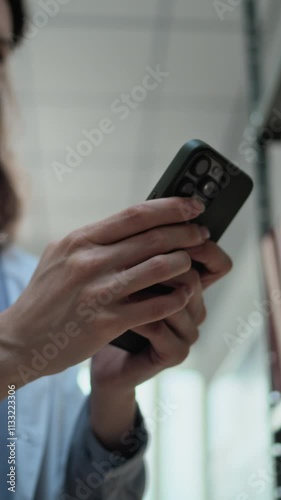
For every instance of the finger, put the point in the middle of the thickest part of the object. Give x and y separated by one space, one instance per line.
214 259
154 270
165 350
153 309
156 241
183 326
170 340
169 346
163 341
142 217
195 307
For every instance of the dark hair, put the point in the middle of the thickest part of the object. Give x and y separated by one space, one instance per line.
19 19
10 203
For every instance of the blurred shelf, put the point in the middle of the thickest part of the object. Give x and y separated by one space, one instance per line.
265 120
276 417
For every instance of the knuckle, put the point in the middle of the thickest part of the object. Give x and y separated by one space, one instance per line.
135 213
76 268
158 329
85 294
93 264
159 310
155 239
105 295
73 241
96 260
159 265
74 263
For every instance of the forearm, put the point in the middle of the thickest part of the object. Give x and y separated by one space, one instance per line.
104 473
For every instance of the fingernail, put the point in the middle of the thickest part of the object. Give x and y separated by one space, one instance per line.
205 233
198 204
195 203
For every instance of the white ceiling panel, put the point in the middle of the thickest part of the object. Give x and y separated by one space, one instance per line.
91 186
111 8
172 129
59 128
97 194
207 9
83 196
82 60
20 70
200 64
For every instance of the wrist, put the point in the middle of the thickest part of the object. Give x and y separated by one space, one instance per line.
112 414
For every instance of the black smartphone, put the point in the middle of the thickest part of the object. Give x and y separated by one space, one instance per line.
198 171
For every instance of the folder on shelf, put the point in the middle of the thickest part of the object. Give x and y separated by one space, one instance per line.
271 255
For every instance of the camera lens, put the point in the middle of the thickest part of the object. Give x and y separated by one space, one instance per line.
210 189
201 167
186 189
217 172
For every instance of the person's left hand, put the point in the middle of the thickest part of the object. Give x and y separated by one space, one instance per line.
115 373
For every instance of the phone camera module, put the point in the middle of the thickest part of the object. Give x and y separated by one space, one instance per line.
186 188
209 188
201 167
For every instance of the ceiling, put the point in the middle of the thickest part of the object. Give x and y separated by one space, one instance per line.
70 72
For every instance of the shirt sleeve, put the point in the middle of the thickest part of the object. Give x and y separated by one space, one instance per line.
95 473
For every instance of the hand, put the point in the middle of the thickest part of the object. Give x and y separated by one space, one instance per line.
115 373
77 300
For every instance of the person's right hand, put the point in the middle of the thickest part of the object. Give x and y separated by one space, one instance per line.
77 300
